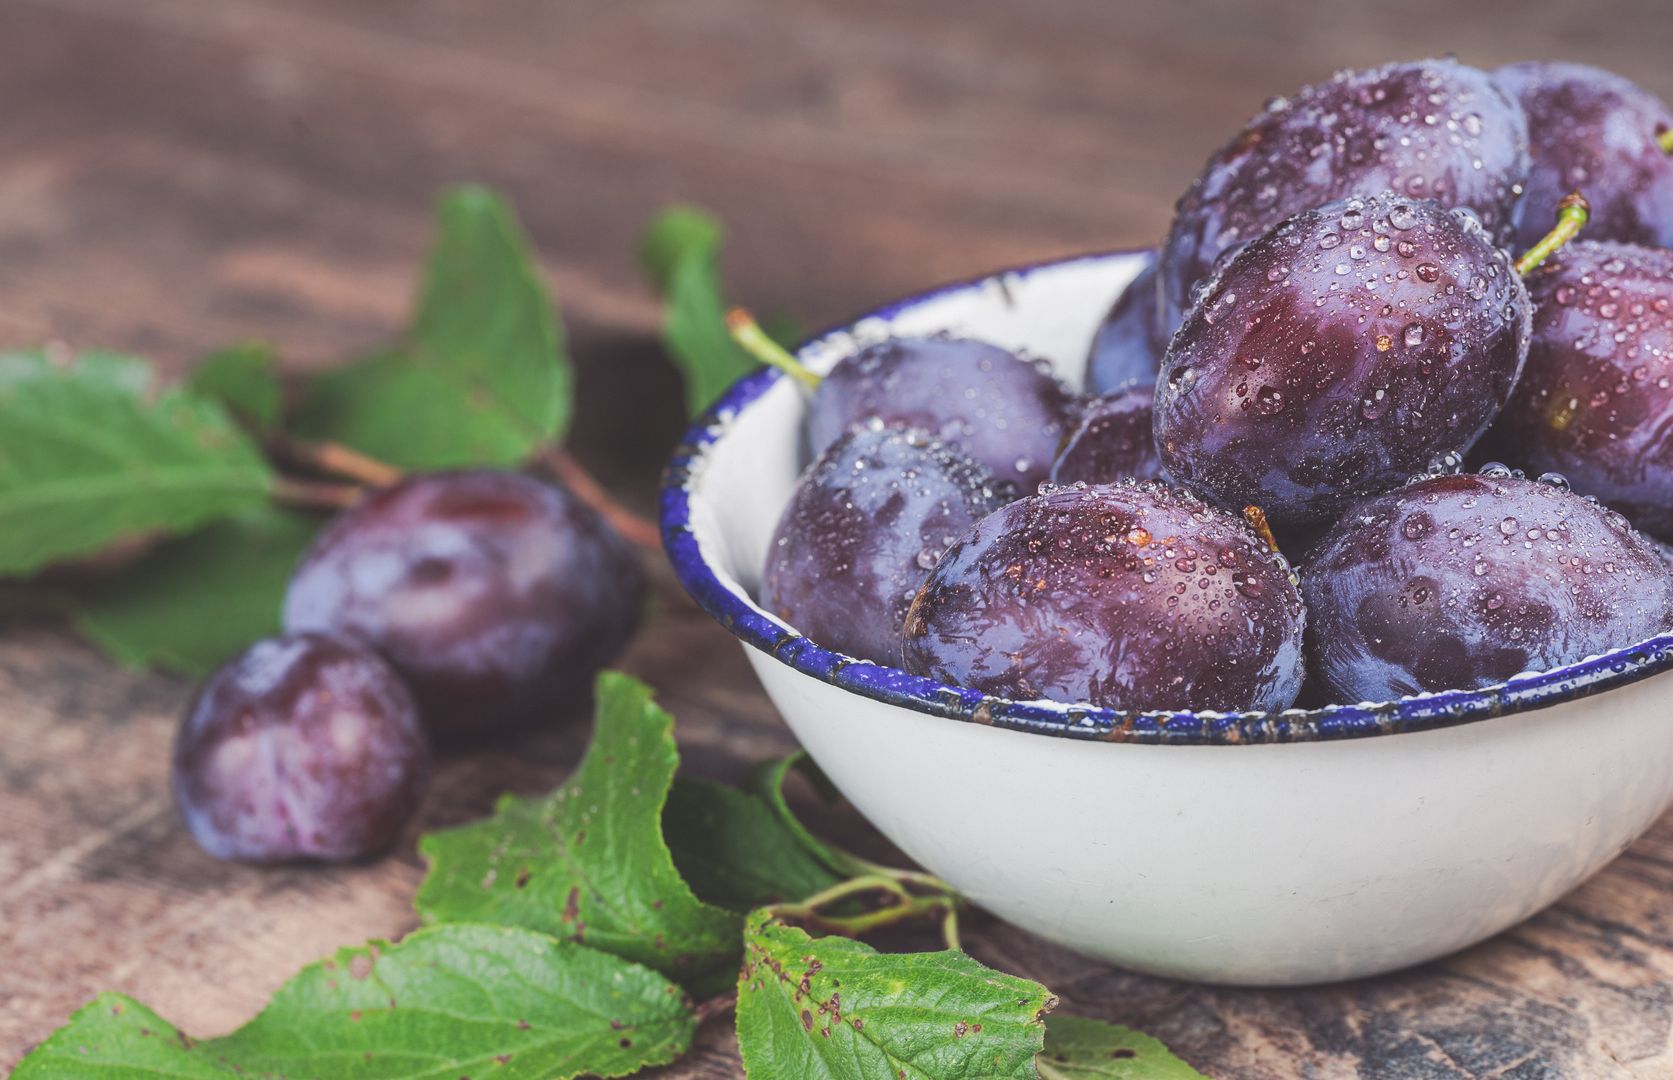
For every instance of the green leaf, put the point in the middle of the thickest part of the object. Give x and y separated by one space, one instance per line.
481 377
680 254
245 379
766 779
86 459
588 862
734 851
452 1001
1081 1049
836 1009
194 602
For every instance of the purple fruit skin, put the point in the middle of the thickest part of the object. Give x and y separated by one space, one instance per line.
1359 132
1319 368
1595 401
496 596
1126 596
868 520
1113 441
1006 412
1128 346
1460 582
1594 132
303 747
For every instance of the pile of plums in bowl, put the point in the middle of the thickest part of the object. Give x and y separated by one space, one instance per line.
1374 444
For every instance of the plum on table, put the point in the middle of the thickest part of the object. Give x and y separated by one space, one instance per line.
303 747
496 596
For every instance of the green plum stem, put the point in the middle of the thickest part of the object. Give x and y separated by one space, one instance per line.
754 340
1572 214
1665 138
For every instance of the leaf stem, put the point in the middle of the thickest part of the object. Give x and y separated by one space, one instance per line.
903 905
316 494
573 475
754 340
338 460
1573 211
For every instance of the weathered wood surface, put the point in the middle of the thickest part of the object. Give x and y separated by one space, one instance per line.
179 173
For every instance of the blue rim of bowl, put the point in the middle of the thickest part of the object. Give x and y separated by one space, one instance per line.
894 686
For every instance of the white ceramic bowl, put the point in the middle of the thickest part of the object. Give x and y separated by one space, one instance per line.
1278 848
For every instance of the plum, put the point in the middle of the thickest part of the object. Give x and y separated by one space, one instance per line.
303 747
1461 581
1114 440
1128 596
1128 347
1006 412
1595 401
1432 129
496 596
868 521
1595 132
1337 354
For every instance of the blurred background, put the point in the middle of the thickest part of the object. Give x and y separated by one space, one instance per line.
176 174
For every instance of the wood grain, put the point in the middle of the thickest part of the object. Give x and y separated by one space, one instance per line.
176 174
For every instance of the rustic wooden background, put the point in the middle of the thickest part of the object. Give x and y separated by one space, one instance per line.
175 174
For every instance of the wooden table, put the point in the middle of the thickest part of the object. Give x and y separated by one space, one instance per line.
175 174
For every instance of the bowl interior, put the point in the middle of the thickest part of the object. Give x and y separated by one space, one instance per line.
729 481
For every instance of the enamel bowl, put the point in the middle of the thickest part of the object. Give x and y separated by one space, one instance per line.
1265 848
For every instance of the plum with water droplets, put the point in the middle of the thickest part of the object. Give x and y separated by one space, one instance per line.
1114 440
1339 352
303 747
1431 129
1128 346
496 596
1594 132
1461 581
1127 596
1595 401
1006 412
866 524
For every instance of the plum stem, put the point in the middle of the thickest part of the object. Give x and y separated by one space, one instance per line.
569 472
755 341
1573 211
338 460
1665 138
316 494
1256 517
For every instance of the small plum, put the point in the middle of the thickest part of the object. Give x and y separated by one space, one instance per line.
303 747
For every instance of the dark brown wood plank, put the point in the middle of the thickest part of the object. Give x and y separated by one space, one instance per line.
181 173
